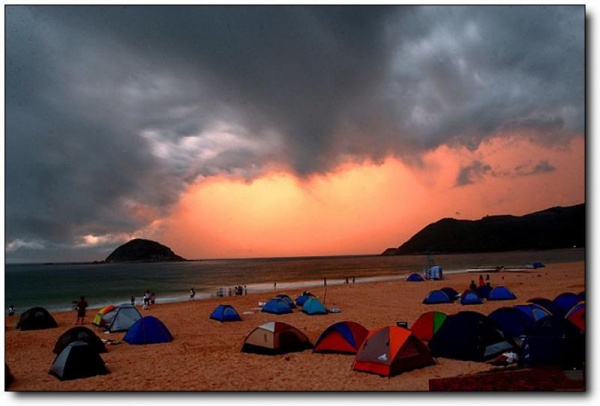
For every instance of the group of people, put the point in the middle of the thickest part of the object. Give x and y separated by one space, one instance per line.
148 299
238 291
482 282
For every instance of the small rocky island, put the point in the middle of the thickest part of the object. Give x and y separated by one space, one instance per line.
140 250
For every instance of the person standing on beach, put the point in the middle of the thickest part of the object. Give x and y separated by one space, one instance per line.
133 300
192 293
11 310
325 282
81 306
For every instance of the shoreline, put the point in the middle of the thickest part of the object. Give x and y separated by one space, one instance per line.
205 355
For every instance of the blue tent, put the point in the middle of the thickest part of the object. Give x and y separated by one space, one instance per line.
554 341
225 313
533 311
313 306
303 298
469 297
512 321
501 293
483 291
415 277
549 305
148 330
436 296
537 265
566 301
287 299
469 336
452 293
276 306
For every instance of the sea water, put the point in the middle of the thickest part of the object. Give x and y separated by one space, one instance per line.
55 286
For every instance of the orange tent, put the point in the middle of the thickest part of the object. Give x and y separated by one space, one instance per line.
391 350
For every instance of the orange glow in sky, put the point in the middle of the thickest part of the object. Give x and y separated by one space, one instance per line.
366 208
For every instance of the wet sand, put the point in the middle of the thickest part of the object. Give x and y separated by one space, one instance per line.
205 354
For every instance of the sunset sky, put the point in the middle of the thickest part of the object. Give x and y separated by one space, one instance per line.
283 131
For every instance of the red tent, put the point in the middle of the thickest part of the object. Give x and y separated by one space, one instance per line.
343 337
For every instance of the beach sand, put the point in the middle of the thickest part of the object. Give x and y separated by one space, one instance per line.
205 354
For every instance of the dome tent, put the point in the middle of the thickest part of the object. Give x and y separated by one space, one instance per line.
148 330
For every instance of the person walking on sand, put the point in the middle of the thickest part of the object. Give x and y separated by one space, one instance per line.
192 293
481 281
81 306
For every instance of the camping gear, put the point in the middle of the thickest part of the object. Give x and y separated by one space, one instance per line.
303 298
77 360
275 337
512 321
427 324
287 299
566 301
344 337
98 318
79 333
501 293
452 293
36 318
470 297
391 350
554 341
120 318
148 330
436 296
415 277
225 313
469 336
537 265
276 306
577 315
313 306
434 273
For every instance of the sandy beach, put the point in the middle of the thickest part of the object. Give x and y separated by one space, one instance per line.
205 354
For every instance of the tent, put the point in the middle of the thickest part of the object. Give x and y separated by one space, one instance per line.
436 296
483 291
469 336
512 321
275 337
391 350
303 298
501 293
148 330
287 299
549 305
225 313
415 277
276 306
469 297
79 333
577 315
427 324
533 311
120 318
36 318
435 273
344 337
98 318
313 306
554 341
452 293
581 295
78 360
566 301
537 265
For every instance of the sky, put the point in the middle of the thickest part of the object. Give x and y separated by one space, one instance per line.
252 131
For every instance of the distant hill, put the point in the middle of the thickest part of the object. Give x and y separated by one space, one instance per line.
557 227
140 250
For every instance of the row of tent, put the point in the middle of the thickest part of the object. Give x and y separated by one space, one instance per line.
469 297
78 349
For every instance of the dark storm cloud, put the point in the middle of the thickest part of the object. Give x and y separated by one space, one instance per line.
111 110
473 173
